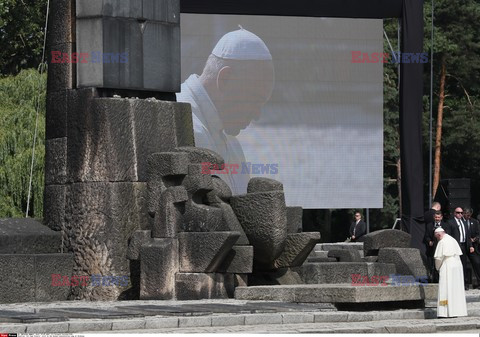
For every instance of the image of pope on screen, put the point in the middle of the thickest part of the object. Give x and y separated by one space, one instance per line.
236 82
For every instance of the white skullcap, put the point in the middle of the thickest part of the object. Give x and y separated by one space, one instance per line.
241 45
439 229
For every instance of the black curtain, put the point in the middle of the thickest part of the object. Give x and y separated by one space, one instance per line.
411 92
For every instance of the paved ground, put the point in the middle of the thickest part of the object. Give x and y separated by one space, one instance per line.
226 316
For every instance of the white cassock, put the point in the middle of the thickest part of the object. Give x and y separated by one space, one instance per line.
207 128
451 293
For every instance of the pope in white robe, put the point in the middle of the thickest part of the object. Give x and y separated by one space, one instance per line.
451 293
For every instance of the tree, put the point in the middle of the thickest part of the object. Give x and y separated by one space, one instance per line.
20 95
456 47
22 33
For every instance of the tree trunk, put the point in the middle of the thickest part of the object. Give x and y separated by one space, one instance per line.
438 135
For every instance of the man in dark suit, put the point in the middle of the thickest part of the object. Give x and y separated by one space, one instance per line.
358 227
473 227
428 215
431 242
457 228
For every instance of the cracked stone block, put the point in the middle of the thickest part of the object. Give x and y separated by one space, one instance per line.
158 264
297 248
169 214
260 184
345 255
239 260
138 239
408 261
386 238
197 286
204 252
263 217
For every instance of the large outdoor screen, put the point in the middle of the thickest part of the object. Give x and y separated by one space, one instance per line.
281 98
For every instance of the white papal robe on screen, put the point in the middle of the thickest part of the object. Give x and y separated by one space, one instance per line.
451 292
208 133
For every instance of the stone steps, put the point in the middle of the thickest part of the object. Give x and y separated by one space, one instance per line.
398 321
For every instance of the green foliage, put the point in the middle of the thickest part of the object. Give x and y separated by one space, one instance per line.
20 96
21 32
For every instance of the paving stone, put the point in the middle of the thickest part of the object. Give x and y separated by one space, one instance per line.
161 323
353 330
220 308
456 326
13 328
164 310
263 319
8 316
194 321
326 317
82 326
295 318
417 328
47 328
228 320
90 313
130 324
359 317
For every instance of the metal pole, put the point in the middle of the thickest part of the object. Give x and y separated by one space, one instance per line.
367 217
430 192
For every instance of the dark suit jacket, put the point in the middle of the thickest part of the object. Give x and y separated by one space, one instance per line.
474 228
430 229
428 216
360 230
453 230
